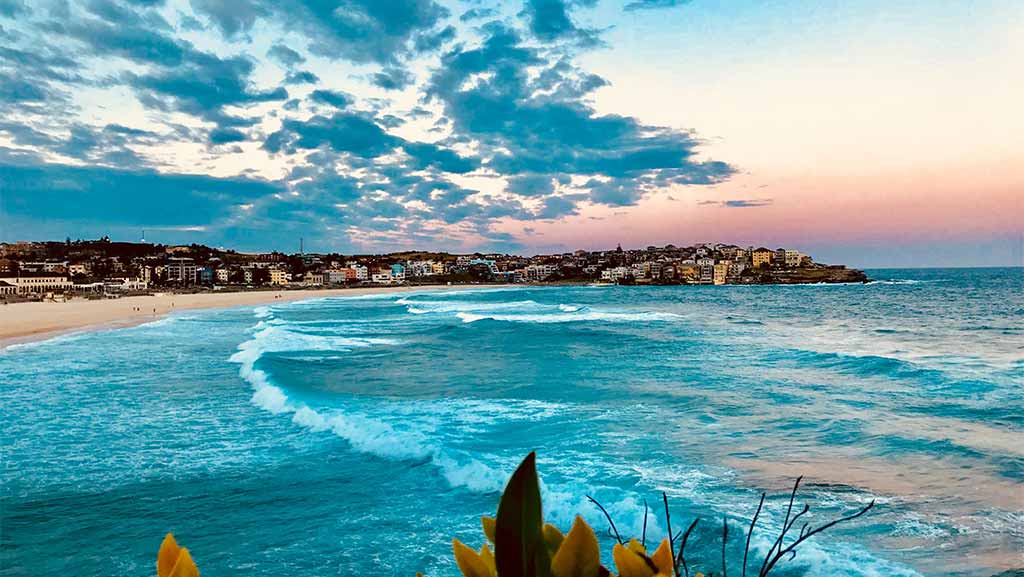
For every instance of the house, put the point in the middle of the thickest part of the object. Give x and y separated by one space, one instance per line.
793 258
278 277
761 257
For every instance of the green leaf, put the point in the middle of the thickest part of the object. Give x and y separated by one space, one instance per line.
519 543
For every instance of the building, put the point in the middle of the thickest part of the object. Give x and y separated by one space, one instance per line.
40 284
181 270
278 277
536 272
707 274
398 272
720 272
124 284
793 258
7 288
615 274
383 277
362 272
223 275
340 275
761 257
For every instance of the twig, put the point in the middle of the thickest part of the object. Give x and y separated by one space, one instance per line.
810 533
643 536
785 522
668 523
681 558
725 537
607 516
750 533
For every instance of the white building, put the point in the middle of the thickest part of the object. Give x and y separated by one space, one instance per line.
615 274
38 284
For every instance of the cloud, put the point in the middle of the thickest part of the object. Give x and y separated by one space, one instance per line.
362 31
12 8
301 77
478 13
203 85
109 195
740 203
507 103
392 78
226 135
343 132
231 16
285 55
652 4
331 98
531 185
541 126
550 20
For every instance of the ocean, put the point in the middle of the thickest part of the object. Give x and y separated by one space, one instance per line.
358 436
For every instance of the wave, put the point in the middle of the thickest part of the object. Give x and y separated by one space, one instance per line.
572 317
363 433
902 281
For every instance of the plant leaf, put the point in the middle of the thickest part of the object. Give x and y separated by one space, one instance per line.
519 547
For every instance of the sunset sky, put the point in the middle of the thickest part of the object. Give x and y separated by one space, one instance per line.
869 133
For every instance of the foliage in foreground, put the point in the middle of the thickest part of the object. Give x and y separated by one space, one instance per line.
526 546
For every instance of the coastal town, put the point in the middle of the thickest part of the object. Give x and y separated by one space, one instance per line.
104 268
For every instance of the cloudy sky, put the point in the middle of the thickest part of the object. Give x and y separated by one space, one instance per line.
875 133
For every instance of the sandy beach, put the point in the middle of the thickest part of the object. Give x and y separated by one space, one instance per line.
23 322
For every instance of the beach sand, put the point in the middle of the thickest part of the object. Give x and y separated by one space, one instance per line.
21 322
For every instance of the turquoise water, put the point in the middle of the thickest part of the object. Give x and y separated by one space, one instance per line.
357 436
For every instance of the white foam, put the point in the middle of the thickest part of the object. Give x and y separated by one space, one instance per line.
365 434
581 316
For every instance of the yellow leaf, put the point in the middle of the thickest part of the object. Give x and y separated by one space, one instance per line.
185 566
469 562
489 525
631 563
635 546
167 556
663 558
552 537
488 557
579 554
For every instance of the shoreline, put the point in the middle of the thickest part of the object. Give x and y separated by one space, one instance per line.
35 321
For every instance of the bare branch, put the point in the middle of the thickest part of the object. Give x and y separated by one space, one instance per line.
810 533
750 532
607 516
668 523
643 536
681 557
725 537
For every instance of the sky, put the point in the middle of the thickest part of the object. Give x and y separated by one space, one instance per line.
870 133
